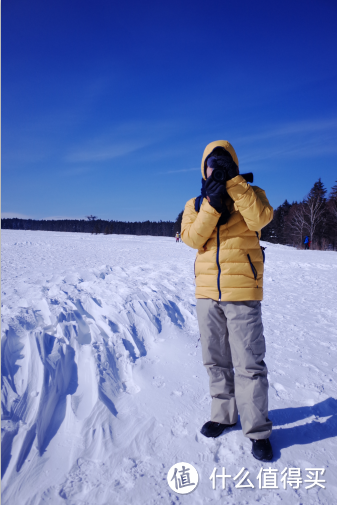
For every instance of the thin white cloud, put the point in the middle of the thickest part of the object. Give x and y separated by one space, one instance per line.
26 155
164 153
105 153
178 171
10 215
57 218
76 171
306 150
122 140
295 128
297 140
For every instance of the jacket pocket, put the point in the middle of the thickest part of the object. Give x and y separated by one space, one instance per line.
253 269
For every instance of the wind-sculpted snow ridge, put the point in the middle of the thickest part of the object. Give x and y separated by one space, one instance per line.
103 387
71 342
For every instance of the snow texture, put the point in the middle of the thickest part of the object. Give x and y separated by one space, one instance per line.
103 387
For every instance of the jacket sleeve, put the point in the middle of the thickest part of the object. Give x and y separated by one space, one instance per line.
197 227
251 202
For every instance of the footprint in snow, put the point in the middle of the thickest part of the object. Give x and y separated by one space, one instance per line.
158 381
179 428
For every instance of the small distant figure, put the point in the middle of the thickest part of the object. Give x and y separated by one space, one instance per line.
309 244
177 236
306 242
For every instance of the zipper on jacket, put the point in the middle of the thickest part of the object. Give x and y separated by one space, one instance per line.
263 253
262 248
217 260
253 270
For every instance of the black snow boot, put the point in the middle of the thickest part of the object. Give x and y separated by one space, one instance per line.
211 429
262 450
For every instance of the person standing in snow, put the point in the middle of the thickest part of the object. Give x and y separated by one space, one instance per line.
177 236
306 242
224 224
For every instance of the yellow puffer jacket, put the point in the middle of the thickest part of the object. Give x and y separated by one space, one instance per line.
229 262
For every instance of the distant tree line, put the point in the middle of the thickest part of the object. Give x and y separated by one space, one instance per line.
92 225
315 216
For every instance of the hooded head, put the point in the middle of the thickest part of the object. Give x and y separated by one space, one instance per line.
224 144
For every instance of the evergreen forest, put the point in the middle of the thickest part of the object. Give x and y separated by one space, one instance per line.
315 216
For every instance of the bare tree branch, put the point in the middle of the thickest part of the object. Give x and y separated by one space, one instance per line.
313 209
297 223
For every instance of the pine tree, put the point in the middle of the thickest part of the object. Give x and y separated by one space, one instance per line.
332 217
333 200
315 212
275 232
296 224
97 227
108 229
177 224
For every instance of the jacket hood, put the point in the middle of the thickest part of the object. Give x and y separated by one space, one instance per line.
217 143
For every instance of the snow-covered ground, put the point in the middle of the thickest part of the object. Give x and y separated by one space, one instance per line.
103 387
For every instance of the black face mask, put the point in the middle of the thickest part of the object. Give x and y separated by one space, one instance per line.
218 153
221 165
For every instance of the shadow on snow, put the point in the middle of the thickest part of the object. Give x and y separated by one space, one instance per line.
313 431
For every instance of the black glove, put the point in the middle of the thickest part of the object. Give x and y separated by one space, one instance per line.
225 164
232 170
216 193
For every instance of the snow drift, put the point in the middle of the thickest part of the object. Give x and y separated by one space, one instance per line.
103 387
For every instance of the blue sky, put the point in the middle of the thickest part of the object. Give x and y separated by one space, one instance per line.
107 106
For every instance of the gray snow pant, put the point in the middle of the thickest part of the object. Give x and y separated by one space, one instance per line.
231 335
